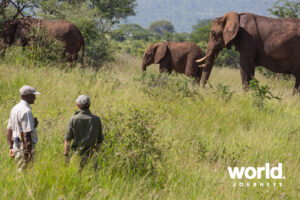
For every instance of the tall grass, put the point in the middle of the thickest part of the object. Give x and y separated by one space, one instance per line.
165 138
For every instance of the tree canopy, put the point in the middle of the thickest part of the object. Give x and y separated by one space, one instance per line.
286 8
161 26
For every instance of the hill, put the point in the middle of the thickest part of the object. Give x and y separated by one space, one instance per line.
185 13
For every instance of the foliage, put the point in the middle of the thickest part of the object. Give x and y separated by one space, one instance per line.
198 136
131 141
96 18
166 87
181 37
130 31
224 92
228 58
42 50
132 47
106 13
261 93
161 26
115 10
201 31
13 8
286 8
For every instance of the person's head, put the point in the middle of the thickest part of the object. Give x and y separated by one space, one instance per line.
28 94
83 102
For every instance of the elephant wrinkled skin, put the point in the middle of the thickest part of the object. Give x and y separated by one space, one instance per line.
180 57
19 30
261 41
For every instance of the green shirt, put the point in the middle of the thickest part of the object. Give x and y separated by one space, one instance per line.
85 129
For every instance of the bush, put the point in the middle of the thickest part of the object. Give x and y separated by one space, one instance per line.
223 91
166 87
130 141
228 58
132 47
261 93
42 50
97 46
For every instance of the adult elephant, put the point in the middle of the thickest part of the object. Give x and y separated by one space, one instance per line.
180 57
261 41
20 30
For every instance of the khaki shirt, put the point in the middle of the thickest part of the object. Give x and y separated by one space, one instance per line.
21 120
85 129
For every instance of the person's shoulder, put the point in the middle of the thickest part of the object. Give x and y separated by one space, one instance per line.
22 109
75 116
96 117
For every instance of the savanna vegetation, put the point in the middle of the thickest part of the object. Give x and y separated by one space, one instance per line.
165 137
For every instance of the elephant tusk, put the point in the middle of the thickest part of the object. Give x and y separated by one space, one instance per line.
202 66
201 60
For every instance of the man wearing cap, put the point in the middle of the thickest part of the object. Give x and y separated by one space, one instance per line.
20 133
85 129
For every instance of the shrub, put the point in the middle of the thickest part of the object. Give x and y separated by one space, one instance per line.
261 93
42 50
166 87
224 92
130 141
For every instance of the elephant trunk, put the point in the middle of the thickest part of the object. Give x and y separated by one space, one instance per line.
208 61
144 67
206 70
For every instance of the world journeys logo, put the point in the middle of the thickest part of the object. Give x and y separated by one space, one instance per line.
257 177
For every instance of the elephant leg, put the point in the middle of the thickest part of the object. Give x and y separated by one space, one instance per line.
246 76
297 83
164 70
247 70
193 71
2 54
164 67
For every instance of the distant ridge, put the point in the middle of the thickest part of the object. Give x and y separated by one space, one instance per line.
186 13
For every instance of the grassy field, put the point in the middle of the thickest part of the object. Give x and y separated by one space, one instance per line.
164 137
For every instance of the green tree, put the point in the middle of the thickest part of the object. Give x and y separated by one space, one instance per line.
106 13
201 31
161 26
130 31
181 37
115 10
286 8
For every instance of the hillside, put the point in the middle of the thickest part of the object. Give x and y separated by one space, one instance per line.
164 137
185 13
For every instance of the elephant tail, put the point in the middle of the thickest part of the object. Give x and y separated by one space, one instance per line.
82 57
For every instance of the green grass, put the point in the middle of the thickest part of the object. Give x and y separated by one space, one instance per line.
188 134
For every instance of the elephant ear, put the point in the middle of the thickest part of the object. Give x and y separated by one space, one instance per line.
161 50
231 27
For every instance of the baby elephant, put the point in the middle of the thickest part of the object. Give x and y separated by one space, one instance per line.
177 56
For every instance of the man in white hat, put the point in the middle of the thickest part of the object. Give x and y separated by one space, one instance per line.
85 129
21 133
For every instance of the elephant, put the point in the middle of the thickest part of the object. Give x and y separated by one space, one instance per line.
20 30
180 57
262 41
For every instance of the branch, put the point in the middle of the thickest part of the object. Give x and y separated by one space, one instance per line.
20 9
